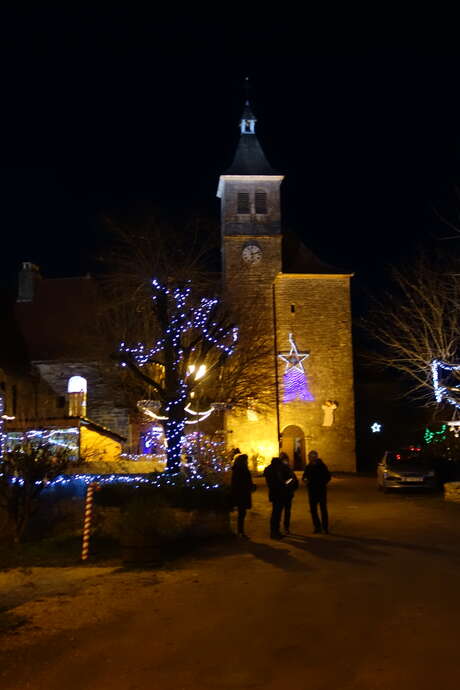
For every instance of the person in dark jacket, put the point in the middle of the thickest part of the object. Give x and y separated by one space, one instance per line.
242 487
317 476
292 484
276 476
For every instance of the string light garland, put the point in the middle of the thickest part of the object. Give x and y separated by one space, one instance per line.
63 438
435 436
162 480
294 378
202 415
200 455
204 454
442 392
2 426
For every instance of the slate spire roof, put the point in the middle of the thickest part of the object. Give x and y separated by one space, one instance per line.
249 157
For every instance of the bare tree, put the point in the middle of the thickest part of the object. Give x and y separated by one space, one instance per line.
139 251
418 321
194 336
248 379
179 258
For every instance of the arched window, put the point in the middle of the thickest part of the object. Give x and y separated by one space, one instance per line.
76 389
243 202
261 202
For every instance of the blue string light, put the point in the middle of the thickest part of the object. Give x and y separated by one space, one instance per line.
186 322
162 480
2 426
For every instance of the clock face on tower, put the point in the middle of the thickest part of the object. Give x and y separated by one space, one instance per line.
251 254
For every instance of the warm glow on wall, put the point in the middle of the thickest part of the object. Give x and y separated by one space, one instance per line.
261 452
95 447
76 389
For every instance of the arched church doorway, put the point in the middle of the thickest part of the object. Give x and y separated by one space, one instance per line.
293 443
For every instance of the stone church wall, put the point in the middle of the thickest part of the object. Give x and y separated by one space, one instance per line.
321 324
249 292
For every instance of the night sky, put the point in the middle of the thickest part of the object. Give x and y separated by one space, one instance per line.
105 113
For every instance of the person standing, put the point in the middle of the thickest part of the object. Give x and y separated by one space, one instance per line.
317 476
242 487
276 476
292 484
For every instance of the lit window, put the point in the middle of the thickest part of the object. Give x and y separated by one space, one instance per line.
76 389
243 202
261 202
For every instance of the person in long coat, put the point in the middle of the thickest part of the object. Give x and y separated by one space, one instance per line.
292 484
317 476
276 476
242 487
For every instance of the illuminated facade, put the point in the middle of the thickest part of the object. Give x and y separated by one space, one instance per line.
302 306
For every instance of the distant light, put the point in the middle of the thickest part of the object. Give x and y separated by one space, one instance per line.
376 428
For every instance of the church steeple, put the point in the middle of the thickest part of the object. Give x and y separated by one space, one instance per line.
250 188
249 156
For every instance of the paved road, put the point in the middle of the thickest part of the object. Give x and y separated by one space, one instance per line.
374 605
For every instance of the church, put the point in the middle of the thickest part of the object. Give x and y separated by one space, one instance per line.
301 307
301 304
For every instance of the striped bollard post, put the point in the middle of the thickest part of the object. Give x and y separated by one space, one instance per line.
87 521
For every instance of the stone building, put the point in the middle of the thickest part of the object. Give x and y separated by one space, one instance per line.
57 321
301 304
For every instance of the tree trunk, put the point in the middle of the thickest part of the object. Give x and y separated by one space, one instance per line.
174 429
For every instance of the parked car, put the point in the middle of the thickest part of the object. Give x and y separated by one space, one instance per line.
408 468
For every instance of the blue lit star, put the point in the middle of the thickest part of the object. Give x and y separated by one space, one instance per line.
376 428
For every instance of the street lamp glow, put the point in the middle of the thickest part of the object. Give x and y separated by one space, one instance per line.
201 372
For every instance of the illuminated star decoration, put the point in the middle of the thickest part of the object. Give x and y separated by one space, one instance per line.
376 428
295 380
445 392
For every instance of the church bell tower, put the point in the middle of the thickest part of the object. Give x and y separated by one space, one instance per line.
250 215
294 315
251 260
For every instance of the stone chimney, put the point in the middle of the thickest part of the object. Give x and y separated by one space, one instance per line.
28 276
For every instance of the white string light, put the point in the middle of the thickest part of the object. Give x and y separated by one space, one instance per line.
186 322
441 392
